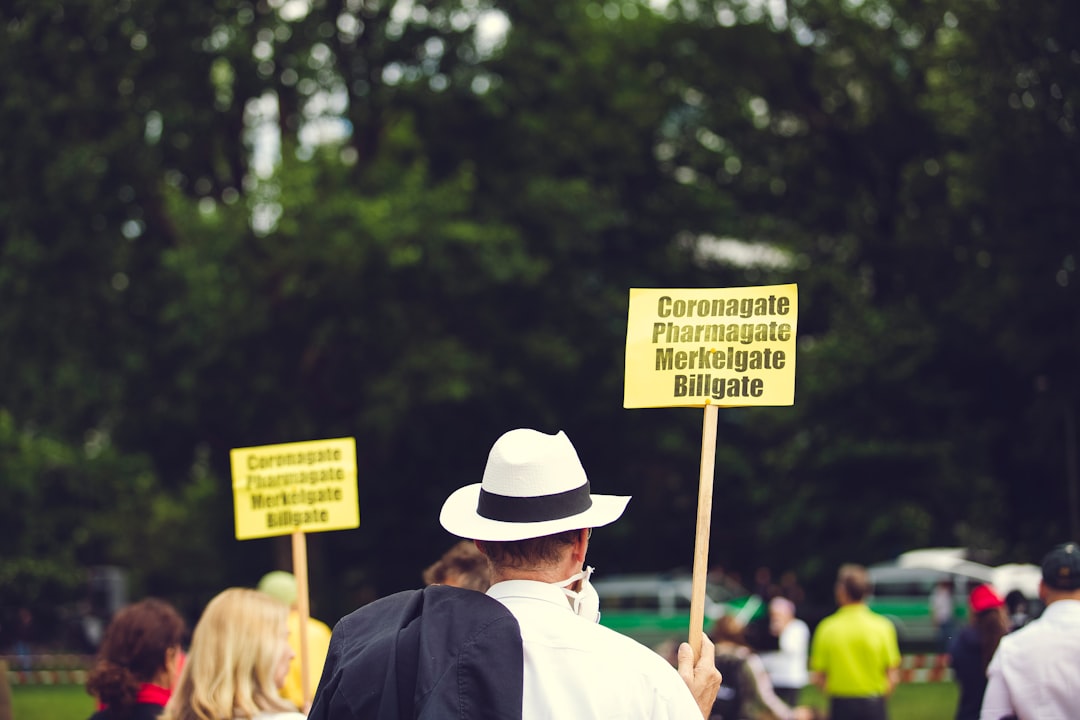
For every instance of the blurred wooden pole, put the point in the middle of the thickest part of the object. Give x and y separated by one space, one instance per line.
704 522
299 547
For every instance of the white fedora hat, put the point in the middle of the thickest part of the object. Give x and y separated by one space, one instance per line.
533 486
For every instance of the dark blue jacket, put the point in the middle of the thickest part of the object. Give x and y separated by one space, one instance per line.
429 654
965 656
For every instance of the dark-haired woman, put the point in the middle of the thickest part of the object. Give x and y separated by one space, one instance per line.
138 662
972 648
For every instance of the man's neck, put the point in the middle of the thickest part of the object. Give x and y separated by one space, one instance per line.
1052 596
544 575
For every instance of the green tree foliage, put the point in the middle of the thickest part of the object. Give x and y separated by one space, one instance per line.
253 222
74 508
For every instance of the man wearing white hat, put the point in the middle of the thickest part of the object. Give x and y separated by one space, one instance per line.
532 515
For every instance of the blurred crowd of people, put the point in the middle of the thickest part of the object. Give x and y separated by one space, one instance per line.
234 666
1032 670
1007 665
506 627
242 658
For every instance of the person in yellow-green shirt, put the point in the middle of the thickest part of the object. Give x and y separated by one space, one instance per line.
282 585
854 656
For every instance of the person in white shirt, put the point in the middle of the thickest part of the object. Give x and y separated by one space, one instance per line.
943 613
1035 671
533 515
787 667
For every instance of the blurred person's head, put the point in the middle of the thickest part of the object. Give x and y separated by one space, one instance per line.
852 584
988 615
463 565
984 598
727 629
1016 602
281 585
142 645
1061 573
781 612
238 659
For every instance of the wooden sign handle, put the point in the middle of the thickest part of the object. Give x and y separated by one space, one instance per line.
704 521
299 550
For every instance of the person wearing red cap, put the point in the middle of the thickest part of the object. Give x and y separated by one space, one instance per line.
1035 672
970 651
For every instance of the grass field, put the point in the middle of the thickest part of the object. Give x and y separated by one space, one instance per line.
51 702
915 701
911 701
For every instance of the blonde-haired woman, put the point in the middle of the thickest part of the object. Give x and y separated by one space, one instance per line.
238 658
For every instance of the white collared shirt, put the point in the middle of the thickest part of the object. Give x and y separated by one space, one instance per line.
1035 673
787 667
578 669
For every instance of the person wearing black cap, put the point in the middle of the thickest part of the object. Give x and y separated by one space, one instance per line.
1035 672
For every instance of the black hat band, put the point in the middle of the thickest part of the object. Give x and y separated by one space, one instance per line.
505 508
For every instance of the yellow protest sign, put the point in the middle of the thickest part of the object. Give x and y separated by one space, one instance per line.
302 486
728 347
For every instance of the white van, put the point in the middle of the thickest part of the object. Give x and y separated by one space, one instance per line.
656 608
902 587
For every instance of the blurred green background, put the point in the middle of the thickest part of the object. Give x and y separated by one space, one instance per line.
415 223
